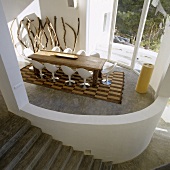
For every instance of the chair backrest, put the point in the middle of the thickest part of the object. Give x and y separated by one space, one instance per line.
94 54
110 69
81 52
83 73
68 50
50 67
28 52
37 64
67 70
56 48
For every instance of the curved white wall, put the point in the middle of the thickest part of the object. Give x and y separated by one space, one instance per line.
111 138
163 59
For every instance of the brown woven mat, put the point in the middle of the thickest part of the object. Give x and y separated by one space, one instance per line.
111 93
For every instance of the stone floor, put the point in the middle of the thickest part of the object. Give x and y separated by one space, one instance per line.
75 104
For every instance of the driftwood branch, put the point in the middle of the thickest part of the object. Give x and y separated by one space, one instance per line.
39 26
11 32
42 32
36 43
29 33
55 29
12 37
30 23
73 32
77 34
18 32
64 36
37 39
49 30
36 33
54 33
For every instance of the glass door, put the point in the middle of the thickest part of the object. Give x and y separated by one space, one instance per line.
127 23
150 44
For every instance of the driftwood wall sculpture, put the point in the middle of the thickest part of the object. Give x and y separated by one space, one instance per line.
42 35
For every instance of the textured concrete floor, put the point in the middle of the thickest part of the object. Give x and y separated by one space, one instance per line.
75 104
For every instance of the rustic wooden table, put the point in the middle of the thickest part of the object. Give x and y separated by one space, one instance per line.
72 60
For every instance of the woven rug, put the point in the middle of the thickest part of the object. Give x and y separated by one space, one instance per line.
111 93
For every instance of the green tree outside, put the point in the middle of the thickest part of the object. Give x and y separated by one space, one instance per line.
128 17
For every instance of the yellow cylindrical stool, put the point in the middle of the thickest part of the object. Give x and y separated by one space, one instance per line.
144 78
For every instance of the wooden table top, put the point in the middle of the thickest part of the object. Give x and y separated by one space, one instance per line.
87 62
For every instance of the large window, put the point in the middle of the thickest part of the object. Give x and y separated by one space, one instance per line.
119 46
127 22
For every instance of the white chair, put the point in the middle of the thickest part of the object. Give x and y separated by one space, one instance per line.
81 52
68 50
38 66
56 48
84 74
51 68
107 72
68 71
27 53
107 64
94 54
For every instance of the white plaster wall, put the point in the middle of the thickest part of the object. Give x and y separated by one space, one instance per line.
70 15
166 114
11 83
163 59
96 11
164 87
19 9
111 138
50 8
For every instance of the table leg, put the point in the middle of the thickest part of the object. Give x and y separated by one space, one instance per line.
36 71
95 77
100 74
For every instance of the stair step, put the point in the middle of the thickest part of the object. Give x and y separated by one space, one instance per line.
107 165
4 117
97 164
11 132
23 146
163 167
74 161
86 163
62 158
15 154
34 154
49 156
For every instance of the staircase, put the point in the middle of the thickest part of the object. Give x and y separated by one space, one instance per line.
26 147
